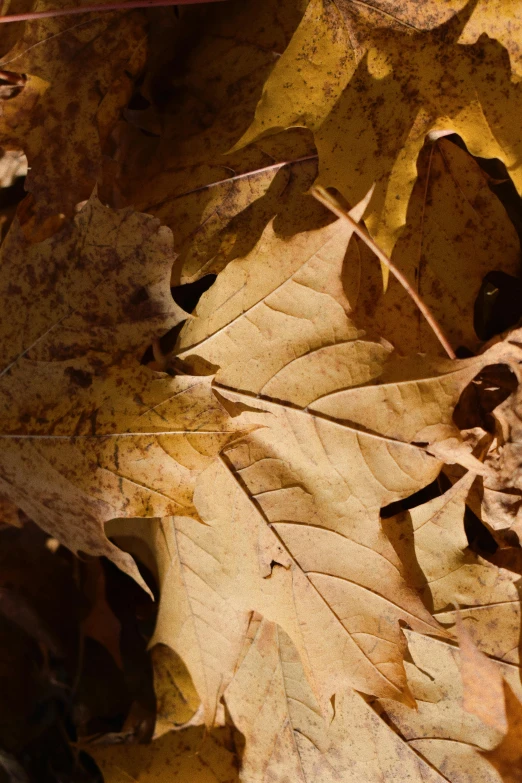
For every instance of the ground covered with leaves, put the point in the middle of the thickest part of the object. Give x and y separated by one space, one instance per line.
261 392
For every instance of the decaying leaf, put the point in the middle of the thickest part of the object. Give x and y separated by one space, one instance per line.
82 422
406 83
456 232
180 170
185 756
500 19
289 738
439 730
303 480
61 115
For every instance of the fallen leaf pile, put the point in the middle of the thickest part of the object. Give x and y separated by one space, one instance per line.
261 361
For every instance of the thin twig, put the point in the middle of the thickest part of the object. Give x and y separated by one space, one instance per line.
86 9
334 206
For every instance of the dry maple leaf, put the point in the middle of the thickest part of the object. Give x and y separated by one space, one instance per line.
433 547
500 19
323 55
88 434
456 232
289 738
61 118
180 170
191 755
329 456
410 82
208 594
439 730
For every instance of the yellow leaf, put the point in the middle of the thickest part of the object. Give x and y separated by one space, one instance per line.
414 79
456 232
310 75
190 755
500 19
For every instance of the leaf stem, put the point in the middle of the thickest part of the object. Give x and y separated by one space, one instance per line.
85 9
329 201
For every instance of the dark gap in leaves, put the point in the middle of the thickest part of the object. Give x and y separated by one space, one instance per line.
138 102
166 343
498 305
56 684
9 199
12 195
188 295
463 353
479 537
149 133
169 339
489 388
424 495
148 356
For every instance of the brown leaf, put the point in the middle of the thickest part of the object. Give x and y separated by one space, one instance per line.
62 116
88 433
209 70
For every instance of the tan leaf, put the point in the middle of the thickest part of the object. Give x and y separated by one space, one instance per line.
507 757
432 544
197 616
287 736
500 506
193 754
439 730
88 434
176 697
316 475
482 683
281 301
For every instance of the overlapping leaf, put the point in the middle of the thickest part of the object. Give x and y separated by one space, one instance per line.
288 737
370 119
62 115
87 433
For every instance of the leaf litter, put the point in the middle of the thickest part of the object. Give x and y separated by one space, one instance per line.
212 393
